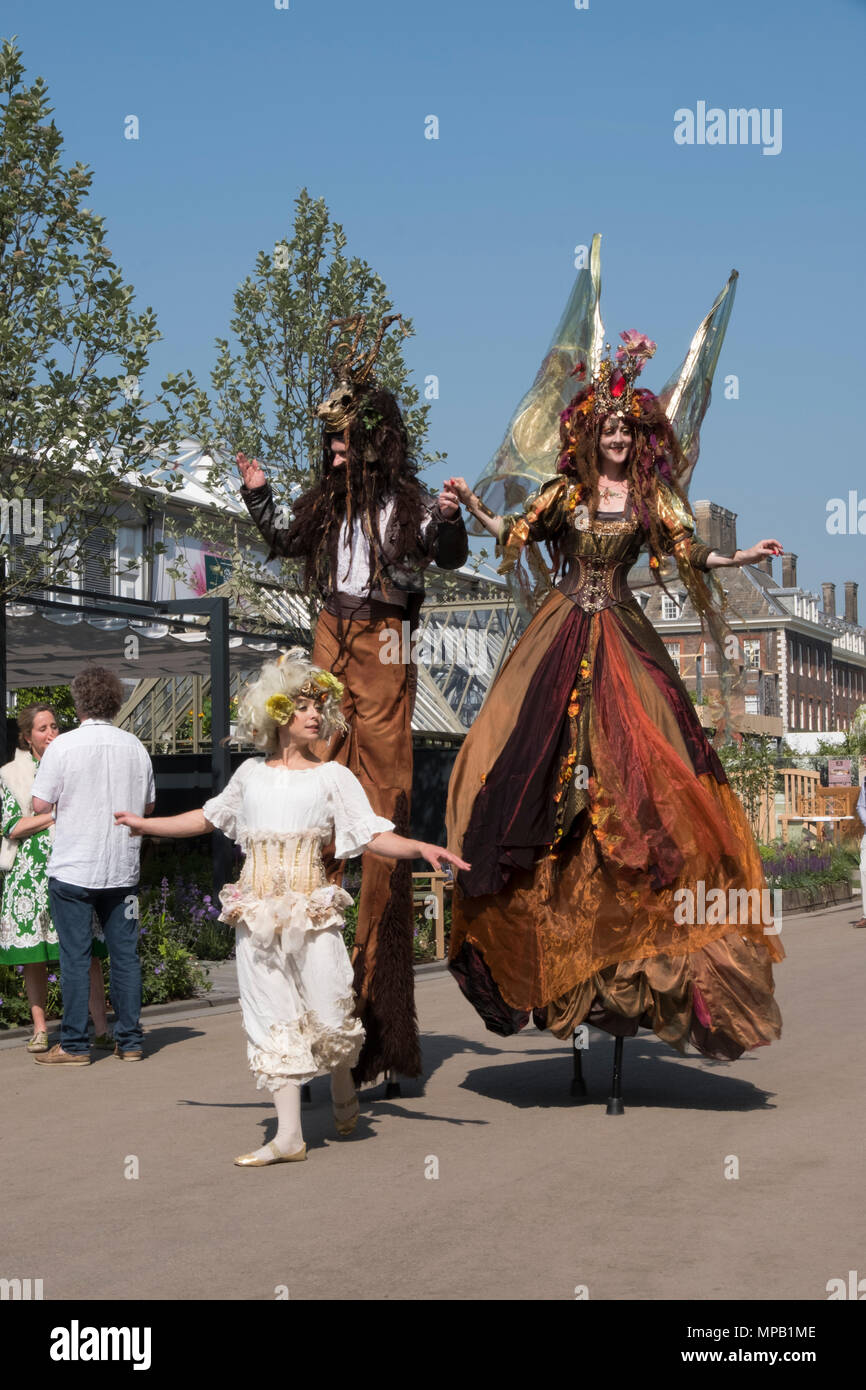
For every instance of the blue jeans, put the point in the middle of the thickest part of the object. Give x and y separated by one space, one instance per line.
72 909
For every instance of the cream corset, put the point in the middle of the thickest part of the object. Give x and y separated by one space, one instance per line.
288 860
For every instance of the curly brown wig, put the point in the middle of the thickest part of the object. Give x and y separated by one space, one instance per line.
96 693
379 465
655 453
24 719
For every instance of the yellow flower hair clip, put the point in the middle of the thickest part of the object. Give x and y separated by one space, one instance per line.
325 681
280 708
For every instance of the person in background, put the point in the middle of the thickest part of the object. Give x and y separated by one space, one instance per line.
27 935
861 811
86 775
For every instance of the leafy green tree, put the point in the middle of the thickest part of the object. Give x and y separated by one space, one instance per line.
74 423
57 695
855 741
751 770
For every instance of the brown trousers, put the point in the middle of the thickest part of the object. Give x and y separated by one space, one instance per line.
377 705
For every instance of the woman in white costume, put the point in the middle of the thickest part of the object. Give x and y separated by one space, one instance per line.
294 973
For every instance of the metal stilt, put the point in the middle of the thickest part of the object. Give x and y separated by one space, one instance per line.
614 1104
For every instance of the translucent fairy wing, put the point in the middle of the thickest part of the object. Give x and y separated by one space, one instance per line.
686 396
527 456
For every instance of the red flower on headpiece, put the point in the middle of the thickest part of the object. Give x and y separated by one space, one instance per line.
617 386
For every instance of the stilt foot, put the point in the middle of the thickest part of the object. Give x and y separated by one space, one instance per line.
578 1085
614 1104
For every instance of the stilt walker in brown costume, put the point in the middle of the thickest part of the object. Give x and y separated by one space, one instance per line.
367 530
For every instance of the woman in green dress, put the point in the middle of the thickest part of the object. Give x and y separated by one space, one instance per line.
27 935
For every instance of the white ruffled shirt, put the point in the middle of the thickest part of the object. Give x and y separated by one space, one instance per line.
261 800
353 555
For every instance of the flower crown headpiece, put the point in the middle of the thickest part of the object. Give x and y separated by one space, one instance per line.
613 391
321 687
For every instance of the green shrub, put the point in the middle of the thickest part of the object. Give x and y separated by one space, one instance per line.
807 868
168 969
14 1009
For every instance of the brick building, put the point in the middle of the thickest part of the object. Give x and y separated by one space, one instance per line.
803 665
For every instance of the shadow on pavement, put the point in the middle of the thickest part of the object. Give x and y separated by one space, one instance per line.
155 1039
651 1076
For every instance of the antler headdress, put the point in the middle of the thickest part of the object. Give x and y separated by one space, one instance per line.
353 371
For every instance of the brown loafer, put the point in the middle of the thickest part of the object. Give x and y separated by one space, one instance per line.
861 923
132 1054
67 1059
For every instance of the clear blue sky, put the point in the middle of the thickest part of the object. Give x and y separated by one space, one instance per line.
554 123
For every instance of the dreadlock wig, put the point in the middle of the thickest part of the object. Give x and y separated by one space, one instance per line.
379 465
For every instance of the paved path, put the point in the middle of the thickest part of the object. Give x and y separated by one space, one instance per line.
534 1195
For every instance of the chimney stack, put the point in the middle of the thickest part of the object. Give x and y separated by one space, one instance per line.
829 599
766 564
789 570
717 527
851 601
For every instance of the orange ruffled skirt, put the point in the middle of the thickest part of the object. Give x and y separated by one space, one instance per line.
615 878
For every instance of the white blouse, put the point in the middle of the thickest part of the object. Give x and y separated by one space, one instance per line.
262 800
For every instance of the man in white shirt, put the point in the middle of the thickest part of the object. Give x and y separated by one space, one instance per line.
92 772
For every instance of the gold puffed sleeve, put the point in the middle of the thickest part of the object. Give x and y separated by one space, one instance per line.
706 594
544 514
679 527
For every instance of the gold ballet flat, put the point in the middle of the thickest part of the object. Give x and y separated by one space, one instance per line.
346 1114
250 1160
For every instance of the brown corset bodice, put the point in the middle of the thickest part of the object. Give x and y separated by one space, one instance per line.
599 560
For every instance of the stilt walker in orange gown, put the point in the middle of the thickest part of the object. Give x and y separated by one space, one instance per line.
615 878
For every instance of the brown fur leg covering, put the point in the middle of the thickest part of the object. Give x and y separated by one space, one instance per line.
390 1020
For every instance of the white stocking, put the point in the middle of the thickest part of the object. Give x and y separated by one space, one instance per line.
288 1138
342 1085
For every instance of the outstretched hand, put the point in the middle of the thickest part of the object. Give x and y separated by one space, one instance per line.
436 857
761 550
460 488
251 471
449 503
136 825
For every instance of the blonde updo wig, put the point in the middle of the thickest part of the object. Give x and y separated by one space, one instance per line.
270 700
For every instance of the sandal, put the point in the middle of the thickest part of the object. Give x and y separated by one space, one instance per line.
346 1114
